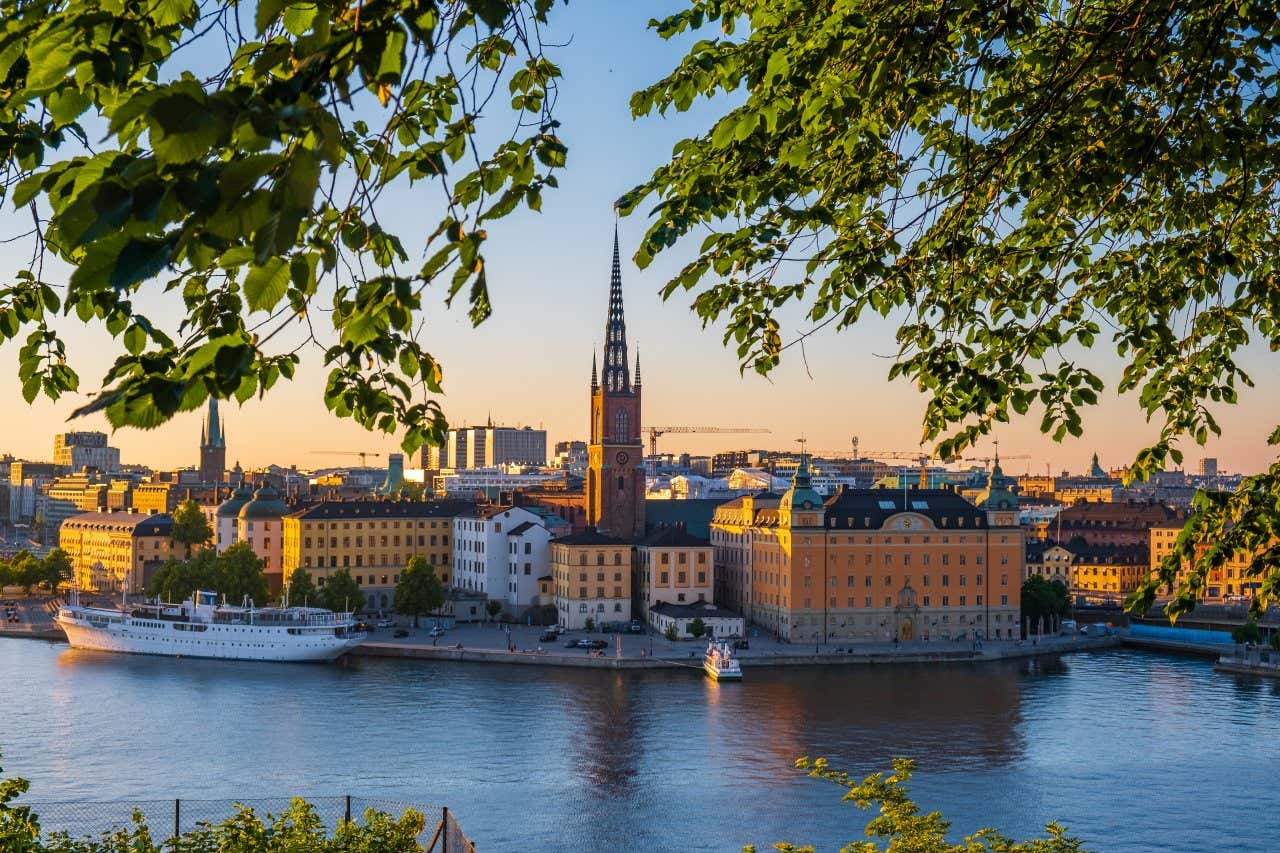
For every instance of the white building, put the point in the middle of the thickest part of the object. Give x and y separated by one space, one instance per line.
489 480
226 518
490 447
77 451
502 552
716 621
674 567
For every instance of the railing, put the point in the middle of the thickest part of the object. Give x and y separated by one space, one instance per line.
172 818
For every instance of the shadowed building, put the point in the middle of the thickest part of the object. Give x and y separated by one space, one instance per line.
213 446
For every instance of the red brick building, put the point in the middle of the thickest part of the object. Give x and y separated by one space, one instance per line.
615 473
1112 524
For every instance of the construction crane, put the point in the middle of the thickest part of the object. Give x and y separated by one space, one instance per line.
361 453
914 455
657 432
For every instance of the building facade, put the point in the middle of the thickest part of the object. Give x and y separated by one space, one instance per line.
672 566
615 474
372 539
592 576
260 525
110 551
872 564
501 552
77 451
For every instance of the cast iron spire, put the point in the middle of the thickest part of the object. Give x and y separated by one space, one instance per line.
617 376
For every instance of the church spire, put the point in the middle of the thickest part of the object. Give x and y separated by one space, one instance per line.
211 433
617 376
595 381
637 382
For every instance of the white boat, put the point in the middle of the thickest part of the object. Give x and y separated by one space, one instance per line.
203 628
720 664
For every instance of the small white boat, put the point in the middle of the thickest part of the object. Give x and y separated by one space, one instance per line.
203 628
720 664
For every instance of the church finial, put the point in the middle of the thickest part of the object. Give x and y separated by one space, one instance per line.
595 382
637 382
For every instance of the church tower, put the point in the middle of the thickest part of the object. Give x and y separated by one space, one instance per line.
615 472
213 446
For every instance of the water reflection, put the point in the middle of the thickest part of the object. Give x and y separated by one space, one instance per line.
533 758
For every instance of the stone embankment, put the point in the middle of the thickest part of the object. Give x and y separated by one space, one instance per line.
878 656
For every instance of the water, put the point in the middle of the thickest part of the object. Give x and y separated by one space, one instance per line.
1131 751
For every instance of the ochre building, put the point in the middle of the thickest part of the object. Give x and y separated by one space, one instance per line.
372 539
111 551
872 564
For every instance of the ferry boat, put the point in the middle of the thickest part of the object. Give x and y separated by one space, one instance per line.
201 627
720 664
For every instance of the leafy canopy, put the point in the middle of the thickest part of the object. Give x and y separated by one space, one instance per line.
190 527
341 593
902 827
419 589
1043 598
251 192
300 589
1014 184
235 573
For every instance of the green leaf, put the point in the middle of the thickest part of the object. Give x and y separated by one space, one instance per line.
268 11
265 285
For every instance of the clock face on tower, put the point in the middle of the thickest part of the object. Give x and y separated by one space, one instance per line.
623 457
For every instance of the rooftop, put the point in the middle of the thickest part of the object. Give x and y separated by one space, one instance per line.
590 536
384 509
674 536
703 609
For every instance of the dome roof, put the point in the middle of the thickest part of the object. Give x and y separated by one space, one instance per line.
230 508
801 495
997 495
266 503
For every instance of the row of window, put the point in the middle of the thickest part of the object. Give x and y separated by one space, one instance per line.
423 541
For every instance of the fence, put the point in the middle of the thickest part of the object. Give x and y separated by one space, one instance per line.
169 818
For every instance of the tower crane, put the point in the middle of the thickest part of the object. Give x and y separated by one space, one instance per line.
914 455
657 432
361 453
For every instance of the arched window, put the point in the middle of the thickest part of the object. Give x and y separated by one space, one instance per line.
621 427
622 484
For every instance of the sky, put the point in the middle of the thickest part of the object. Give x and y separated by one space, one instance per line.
529 364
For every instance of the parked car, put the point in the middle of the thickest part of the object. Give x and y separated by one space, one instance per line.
385 623
548 637
596 644
573 644
400 633
437 631
635 628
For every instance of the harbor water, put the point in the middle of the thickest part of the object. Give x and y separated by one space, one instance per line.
1131 751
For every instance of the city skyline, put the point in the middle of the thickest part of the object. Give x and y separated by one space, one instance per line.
549 283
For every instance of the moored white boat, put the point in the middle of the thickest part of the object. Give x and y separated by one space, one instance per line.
720 664
206 629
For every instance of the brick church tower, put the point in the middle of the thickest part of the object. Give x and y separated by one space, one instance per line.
213 447
615 472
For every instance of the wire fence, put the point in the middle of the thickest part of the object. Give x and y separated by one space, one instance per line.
173 818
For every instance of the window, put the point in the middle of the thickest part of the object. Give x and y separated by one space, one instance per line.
621 425
1004 600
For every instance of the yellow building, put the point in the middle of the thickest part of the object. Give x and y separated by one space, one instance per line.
592 577
1230 584
111 550
1051 561
872 564
372 539
1107 574
673 566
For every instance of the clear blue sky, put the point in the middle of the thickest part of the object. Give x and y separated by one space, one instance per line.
549 275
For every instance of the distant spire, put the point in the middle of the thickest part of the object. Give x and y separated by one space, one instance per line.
617 377
637 382
595 382
211 435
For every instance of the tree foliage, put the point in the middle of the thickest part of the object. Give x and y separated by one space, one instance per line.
900 825
235 573
1013 184
419 589
190 527
55 568
301 591
1044 598
341 593
250 190
1248 633
697 627
297 828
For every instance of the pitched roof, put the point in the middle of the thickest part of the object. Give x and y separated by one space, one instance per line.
590 536
519 529
674 536
870 508
702 609
365 509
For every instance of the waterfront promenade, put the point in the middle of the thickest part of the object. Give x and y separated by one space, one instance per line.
490 643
